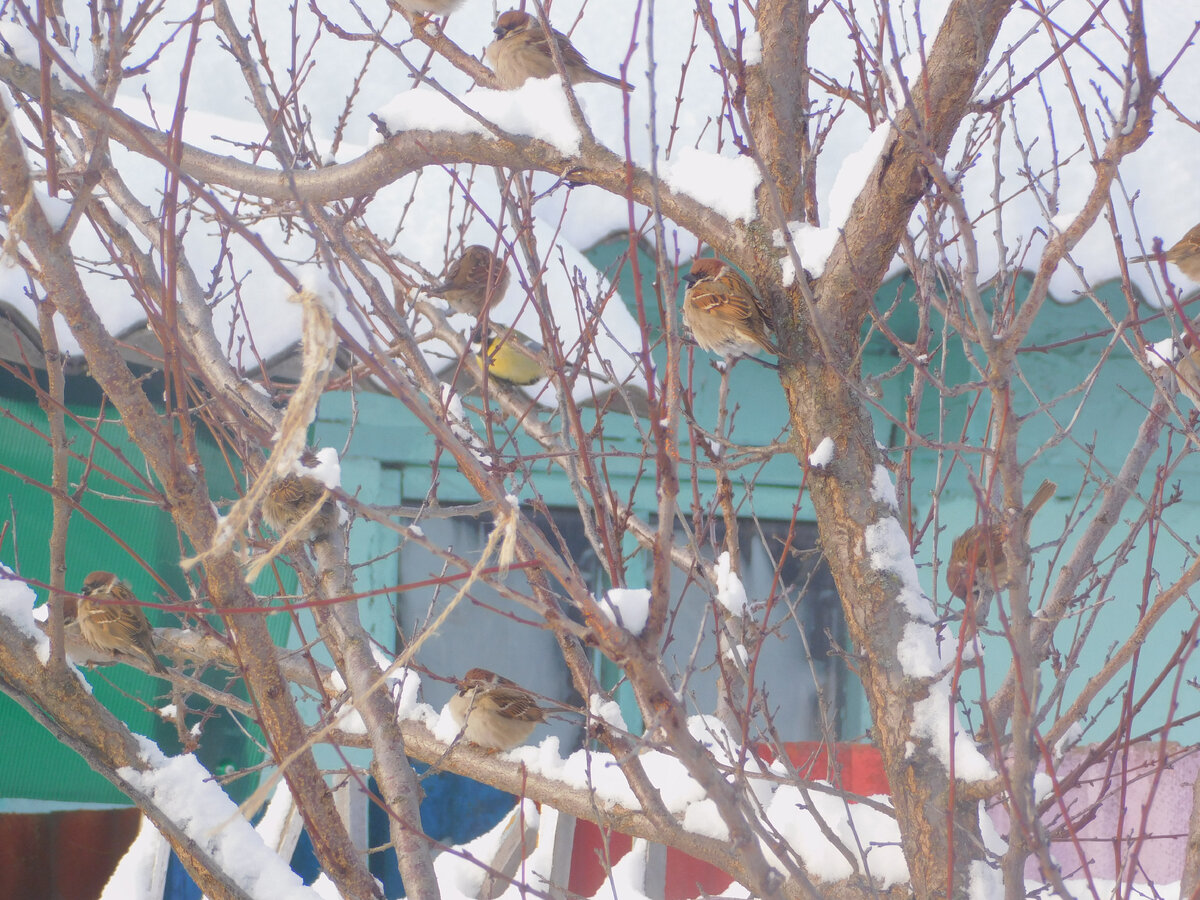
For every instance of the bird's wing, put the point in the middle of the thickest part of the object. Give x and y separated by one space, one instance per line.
538 42
512 703
295 490
450 279
130 616
122 622
725 295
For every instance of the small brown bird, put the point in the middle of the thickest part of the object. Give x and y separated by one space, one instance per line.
492 711
477 279
110 619
510 356
1187 367
291 497
977 557
521 51
722 311
431 7
1185 254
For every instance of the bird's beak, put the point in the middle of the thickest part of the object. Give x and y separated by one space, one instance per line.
499 32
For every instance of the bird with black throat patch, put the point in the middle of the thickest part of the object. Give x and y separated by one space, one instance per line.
111 620
723 313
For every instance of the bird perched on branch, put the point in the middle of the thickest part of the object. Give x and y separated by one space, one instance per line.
521 51
1187 364
110 619
476 279
493 711
1185 254
722 311
291 497
977 560
510 356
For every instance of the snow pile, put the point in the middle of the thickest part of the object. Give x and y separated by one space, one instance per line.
458 874
626 607
538 110
607 711
404 685
1162 353
823 455
888 550
187 795
142 872
815 244
456 415
883 490
730 592
870 835
627 880
933 719
919 652
723 184
16 605
328 468
459 870
280 819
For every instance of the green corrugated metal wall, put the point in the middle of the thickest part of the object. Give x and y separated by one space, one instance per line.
36 765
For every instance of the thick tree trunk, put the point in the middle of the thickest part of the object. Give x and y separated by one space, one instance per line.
823 403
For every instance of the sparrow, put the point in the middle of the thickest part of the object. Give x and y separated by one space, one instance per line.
430 7
478 277
510 356
521 51
290 498
492 711
1187 367
977 555
1185 254
722 311
115 627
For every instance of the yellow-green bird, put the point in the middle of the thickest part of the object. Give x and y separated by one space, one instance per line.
510 356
